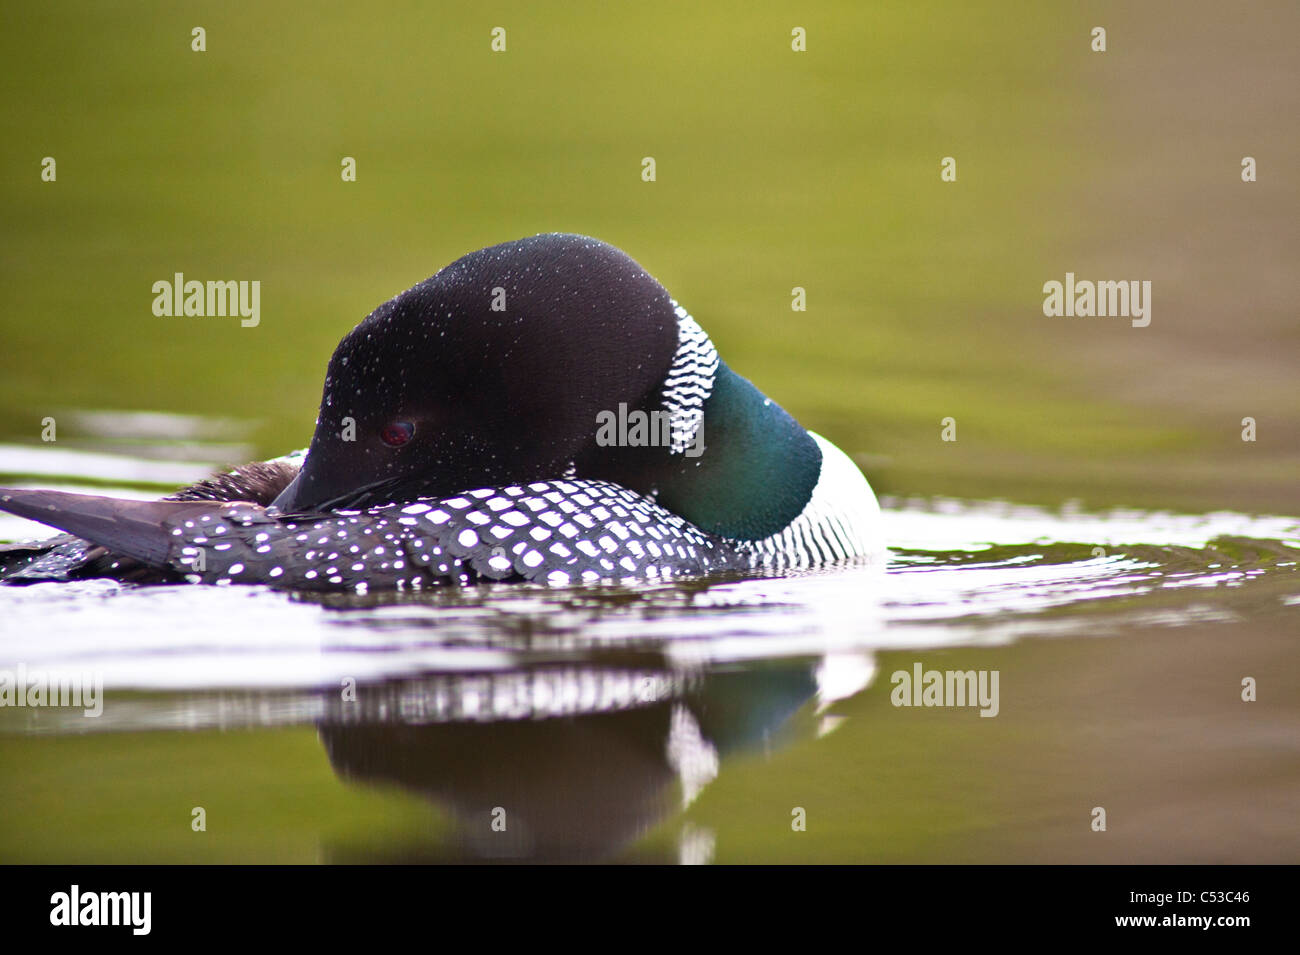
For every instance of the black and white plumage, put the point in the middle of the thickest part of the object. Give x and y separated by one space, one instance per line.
493 376
689 381
555 532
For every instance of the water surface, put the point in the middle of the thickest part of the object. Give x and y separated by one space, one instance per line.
600 718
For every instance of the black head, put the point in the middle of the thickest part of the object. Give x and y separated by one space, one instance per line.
491 372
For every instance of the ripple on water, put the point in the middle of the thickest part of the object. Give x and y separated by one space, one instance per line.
960 572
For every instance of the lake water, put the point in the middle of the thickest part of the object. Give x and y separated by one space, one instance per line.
693 721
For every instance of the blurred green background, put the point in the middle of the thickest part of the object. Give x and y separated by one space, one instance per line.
775 169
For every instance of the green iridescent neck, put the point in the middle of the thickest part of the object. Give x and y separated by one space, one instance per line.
756 472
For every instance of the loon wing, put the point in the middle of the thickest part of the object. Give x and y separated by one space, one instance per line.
16 560
558 532
67 557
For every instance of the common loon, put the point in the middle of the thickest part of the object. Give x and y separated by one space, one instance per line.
539 410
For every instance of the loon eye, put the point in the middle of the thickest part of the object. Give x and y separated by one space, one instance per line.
397 433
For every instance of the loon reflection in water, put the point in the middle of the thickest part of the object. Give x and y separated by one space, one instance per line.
569 763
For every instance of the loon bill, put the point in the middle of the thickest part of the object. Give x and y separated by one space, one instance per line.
465 432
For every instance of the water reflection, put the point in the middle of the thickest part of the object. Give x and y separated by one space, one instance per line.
569 763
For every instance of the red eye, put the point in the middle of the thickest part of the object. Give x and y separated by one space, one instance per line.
397 433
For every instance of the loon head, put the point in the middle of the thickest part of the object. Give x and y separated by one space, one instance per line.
551 356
